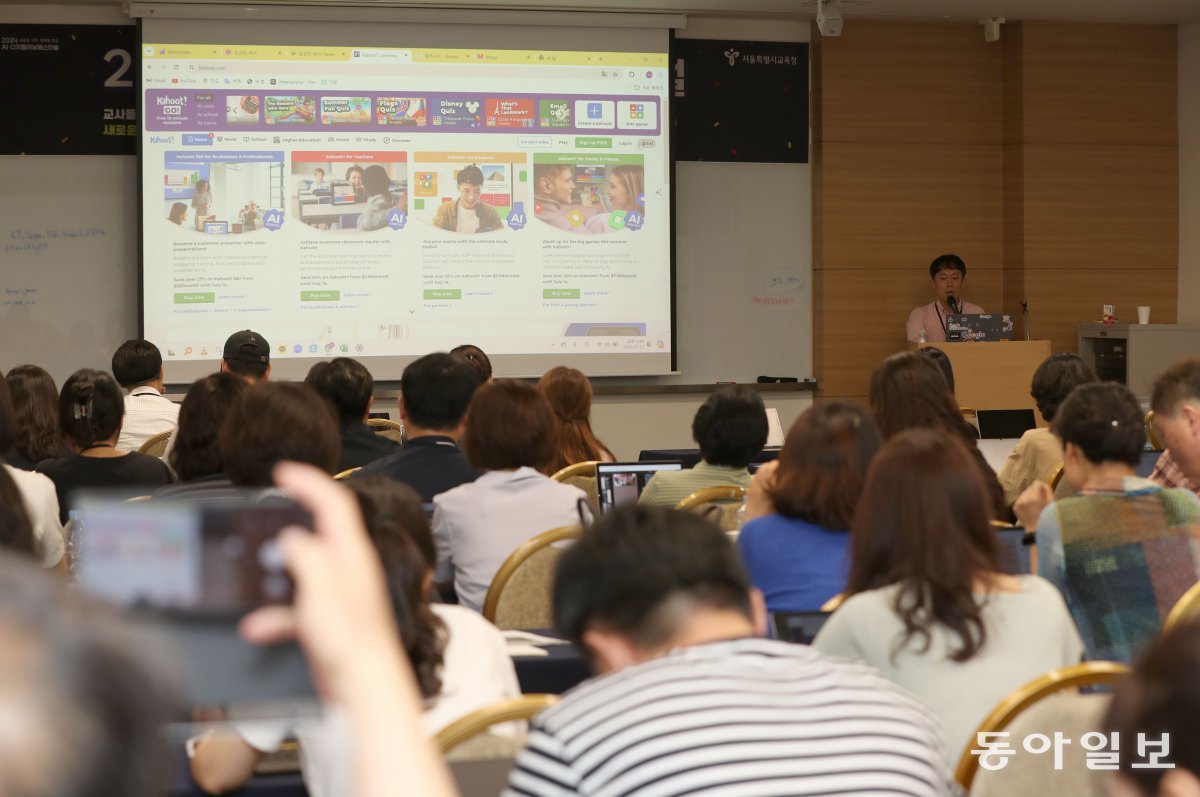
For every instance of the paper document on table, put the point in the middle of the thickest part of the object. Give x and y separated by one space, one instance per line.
529 638
525 649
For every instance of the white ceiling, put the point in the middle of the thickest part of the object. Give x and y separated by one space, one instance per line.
1154 12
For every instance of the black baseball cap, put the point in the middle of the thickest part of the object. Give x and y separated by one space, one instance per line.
248 347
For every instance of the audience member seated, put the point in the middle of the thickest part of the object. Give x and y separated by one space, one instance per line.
927 604
269 423
509 435
1159 702
474 355
35 400
196 457
435 392
909 391
343 618
1176 405
83 694
570 395
29 496
690 702
1039 453
943 362
798 511
248 355
348 387
731 429
1123 550
90 410
137 367
16 532
460 660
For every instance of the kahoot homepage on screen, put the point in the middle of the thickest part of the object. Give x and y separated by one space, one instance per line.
391 201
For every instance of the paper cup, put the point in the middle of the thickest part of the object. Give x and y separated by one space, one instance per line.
1144 314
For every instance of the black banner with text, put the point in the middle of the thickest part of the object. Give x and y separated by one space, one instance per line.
70 90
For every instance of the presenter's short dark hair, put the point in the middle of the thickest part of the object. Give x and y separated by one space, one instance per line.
943 262
90 407
276 421
623 573
1054 380
1105 421
471 174
437 390
346 384
136 362
731 427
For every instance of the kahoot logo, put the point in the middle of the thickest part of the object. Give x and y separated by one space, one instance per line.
732 55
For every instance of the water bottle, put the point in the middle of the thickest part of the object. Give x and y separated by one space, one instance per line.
741 513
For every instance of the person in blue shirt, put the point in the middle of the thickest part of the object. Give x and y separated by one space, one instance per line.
799 507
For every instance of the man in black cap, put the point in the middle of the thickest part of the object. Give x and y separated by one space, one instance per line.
247 354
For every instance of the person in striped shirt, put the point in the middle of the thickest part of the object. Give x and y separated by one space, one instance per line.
692 701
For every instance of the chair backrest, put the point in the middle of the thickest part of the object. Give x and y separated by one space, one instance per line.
1186 608
833 603
520 593
1156 443
156 444
727 498
1056 477
347 473
583 476
387 428
516 709
1091 673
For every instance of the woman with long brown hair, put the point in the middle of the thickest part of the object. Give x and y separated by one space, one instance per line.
35 400
927 604
909 391
570 395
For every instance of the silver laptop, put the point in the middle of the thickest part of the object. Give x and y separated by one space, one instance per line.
620 483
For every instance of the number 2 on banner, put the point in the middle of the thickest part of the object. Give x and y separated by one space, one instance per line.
116 79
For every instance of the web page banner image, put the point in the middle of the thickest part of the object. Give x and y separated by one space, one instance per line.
391 202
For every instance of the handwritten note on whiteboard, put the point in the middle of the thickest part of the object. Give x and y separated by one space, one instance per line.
68 260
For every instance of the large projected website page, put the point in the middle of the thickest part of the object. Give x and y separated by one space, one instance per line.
392 202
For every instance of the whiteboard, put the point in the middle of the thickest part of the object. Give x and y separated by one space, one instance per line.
68 260
743 287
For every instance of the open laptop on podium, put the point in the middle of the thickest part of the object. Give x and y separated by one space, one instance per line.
978 327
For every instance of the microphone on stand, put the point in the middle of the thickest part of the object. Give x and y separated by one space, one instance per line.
1025 313
952 300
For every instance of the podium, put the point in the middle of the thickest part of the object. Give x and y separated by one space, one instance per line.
995 375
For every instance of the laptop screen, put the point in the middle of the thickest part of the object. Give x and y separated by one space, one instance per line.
798 627
620 483
1004 424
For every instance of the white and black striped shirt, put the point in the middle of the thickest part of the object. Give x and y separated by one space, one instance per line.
740 718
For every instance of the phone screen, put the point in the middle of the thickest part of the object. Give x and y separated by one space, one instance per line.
191 558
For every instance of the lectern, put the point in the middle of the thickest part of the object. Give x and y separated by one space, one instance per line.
995 375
